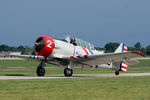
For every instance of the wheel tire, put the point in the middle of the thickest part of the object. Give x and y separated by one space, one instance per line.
117 73
40 71
68 72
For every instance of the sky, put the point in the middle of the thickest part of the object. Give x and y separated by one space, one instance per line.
96 21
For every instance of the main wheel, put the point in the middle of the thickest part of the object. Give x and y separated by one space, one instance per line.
68 72
40 71
117 73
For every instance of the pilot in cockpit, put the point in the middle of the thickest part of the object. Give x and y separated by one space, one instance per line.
73 41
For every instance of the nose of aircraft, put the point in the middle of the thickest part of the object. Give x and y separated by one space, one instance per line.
44 46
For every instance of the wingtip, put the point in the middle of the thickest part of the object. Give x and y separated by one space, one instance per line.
137 52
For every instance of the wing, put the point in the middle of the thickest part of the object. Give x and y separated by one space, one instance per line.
29 57
107 57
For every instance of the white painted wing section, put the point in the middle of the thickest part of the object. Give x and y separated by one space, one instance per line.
108 57
29 57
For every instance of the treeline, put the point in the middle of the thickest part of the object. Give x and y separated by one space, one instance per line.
22 49
112 46
108 48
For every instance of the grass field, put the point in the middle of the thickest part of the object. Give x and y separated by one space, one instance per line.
142 63
114 88
21 63
117 88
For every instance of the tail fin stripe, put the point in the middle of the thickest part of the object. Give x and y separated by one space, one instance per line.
123 47
124 67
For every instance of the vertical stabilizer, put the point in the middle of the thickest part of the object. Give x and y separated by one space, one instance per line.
122 48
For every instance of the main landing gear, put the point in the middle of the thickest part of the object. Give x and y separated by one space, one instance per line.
117 72
68 71
40 69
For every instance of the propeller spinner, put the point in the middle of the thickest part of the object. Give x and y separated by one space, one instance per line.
44 46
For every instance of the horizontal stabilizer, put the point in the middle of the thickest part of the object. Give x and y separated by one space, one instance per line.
123 66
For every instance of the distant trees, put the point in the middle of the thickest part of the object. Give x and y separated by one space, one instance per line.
99 49
111 47
7 48
22 49
148 50
137 46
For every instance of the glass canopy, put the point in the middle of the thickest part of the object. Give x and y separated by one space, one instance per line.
84 44
81 43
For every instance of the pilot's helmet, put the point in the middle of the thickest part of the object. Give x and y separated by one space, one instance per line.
73 39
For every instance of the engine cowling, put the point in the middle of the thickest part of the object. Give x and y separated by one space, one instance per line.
44 46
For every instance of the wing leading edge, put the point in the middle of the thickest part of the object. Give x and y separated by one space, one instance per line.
107 57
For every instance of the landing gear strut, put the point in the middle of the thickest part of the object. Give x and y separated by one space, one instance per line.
40 69
117 73
68 71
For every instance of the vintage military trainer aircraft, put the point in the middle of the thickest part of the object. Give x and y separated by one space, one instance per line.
71 52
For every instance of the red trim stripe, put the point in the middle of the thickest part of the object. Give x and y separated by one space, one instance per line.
37 57
92 66
86 51
137 52
125 49
72 57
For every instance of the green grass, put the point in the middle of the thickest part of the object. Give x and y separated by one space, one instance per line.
28 72
21 63
116 88
142 63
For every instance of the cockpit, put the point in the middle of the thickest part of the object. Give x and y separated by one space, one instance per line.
84 44
78 42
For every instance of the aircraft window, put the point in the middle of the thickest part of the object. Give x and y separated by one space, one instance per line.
84 44
79 42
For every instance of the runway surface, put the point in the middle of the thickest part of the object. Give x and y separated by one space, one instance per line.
74 76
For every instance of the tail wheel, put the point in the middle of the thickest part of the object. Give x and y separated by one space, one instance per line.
68 72
40 71
117 73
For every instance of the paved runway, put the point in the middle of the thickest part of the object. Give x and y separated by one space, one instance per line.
74 76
